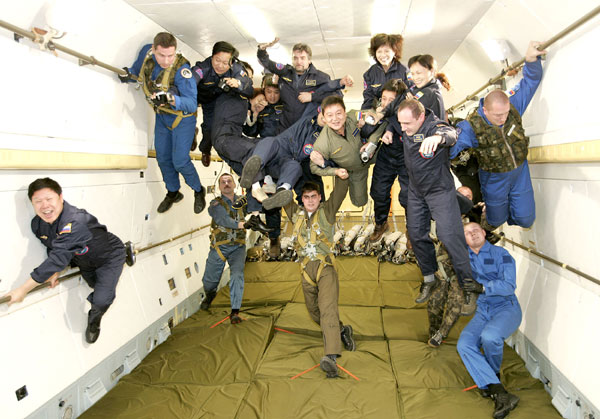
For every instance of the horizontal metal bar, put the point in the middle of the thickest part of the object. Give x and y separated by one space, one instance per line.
550 259
137 251
519 63
85 58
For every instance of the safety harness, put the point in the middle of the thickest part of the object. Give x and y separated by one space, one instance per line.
222 235
166 78
309 248
501 149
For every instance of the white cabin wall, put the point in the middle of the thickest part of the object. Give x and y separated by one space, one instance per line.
560 309
57 105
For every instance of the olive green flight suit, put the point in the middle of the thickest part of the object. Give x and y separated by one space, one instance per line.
313 240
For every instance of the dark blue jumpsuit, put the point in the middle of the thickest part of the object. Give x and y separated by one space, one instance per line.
267 122
76 238
375 77
208 91
431 194
291 85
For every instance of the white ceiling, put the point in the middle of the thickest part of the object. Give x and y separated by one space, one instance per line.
338 31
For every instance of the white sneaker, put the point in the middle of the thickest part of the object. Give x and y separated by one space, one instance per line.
259 194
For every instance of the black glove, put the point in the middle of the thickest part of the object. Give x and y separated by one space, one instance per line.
161 98
124 77
470 285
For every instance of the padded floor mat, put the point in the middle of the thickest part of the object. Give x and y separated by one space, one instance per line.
267 366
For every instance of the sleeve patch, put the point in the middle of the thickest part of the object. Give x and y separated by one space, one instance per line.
365 85
488 261
419 95
279 66
506 259
200 73
65 229
186 73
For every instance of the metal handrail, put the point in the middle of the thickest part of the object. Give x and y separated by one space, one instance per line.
136 251
519 63
83 59
549 259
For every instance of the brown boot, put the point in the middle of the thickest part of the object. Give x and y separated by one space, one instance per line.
274 248
378 232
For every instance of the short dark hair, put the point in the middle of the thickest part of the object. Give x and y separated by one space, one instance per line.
309 187
267 81
394 85
165 40
224 46
302 48
247 67
43 183
330 101
393 41
414 105
226 174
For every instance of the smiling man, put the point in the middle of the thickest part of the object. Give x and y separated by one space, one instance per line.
73 237
341 141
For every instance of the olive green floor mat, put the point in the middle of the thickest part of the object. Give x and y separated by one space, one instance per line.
268 365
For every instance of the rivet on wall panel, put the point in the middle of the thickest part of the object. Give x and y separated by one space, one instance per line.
196 267
190 246
160 301
181 250
188 272
165 259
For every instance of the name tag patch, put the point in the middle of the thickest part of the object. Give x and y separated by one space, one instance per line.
418 138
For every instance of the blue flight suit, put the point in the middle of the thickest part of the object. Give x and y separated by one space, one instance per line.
208 91
173 146
76 238
431 194
508 196
267 122
291 84
375 77
498 314
234 253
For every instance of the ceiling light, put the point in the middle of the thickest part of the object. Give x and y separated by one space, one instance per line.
496 49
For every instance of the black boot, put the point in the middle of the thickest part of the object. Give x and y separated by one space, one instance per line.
347 338
93 328
250 170
257 225
504 402
170 199
426 290
199 201
234 317
208 298
129 254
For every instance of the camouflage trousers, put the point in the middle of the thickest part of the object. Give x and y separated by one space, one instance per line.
446 301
